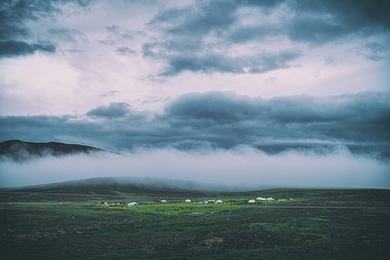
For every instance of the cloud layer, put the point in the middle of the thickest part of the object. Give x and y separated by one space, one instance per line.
96 52
146 75
220 120
15 37
213 36
244 169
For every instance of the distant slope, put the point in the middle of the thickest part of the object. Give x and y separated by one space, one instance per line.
140 185
22 150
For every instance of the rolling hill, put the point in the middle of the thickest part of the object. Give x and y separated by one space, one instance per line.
18 150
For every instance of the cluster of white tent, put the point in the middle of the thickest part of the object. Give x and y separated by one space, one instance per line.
252 201
263 199
211 201
131 204
105 203
218 201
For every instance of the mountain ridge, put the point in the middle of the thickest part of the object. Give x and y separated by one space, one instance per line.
19 150
133 184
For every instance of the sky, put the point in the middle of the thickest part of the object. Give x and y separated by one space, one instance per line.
277 76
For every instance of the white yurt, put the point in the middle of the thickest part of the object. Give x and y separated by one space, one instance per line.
131 204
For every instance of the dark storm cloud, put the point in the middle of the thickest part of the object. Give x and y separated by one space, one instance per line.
231 120
375 51
224 63
125 51
184 49
15 37
184 29
349 15
223 121
184 54
63 34
201 18
15 48
320 22
113 110
120 33
311 20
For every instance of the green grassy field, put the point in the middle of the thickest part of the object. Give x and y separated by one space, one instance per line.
313 224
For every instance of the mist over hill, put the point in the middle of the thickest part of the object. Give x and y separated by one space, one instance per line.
19 150
246 168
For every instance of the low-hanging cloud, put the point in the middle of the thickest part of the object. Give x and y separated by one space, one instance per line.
15 48
242 169
219 120
113 110
223 63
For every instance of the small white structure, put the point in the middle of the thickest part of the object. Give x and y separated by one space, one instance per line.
218 201
211 201
132 204
163 201
251 201
264 199
187 201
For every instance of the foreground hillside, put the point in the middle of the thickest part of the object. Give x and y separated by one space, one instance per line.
297 224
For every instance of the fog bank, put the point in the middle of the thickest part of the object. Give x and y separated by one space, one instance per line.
245 168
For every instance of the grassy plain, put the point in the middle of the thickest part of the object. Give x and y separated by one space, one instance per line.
314 224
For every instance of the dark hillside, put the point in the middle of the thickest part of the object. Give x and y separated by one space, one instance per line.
22 150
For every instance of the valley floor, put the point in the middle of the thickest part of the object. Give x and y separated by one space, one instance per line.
311 224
